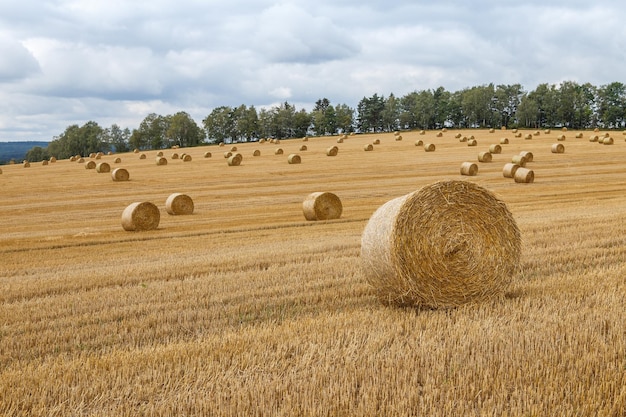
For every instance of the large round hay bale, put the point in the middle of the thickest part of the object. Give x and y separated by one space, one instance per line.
340 140
303 148
233 149
458 136
278 151
504 141
235 160
469 169
557 148
607 141
26 164
161 160
159 154
447 244
422 132
519 160
484 156
142 156
593 138
117 160
228 154
419 142
547 131
294 158
524 175
175 155
102 167
579 135
186 158
120 174
305 139
135 150
472 142
322 206
140 217
439 134
399 137
90 165
179 203
492 130
208 154
256 152
44 162
52 159
368 147
376 142
429 147
528 136
528 155
80 160
495 148
508 171
463 139
332 151
560 138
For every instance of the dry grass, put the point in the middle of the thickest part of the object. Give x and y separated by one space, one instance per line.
245 308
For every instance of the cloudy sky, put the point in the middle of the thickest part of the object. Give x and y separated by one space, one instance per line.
66 62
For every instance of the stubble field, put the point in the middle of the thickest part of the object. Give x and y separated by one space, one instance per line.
246 308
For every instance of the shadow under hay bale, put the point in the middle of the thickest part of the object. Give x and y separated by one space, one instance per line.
141 216
179 204
445 245
322 206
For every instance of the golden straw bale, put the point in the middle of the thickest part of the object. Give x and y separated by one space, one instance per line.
207 154
396 133
256 152
160 160
472 142
332 151
142 156
294 158
579 135
607 141
136 150
557 148
303 148
469 169
368 147
447 244
484 156
429 147
179 204
514 130
340 140
80 160
528 136
90 165
221 144
458 136
141 216
444 130
52 159
159 154
519 160
278 151
322 206
120 174
422 132
102 167
463 139
439 134
235 160
537 133
560 138
26 164
596 130
593 138
376 142
186 158
547 131
504 141
92 155
419 142
492 130
72 158
305 139
564 129
519 135
495 148
175 155
508 171
233 149
228 154
44 162
399 137
527 155
524 175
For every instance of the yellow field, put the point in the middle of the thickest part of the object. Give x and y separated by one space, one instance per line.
246 309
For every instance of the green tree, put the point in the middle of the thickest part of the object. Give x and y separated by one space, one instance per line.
612 105
37 154
117 138
370 113
301 123
391 113
506 101
345 118
218 124
183 131
151 133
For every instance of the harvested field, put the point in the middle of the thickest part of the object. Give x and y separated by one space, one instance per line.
247 308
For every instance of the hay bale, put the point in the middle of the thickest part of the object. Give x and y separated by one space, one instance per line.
458 136
524 175
518 135
175 155
120 174
492 130
447 244
593 138
160 160
377 142
186 158
596 130
560 138
463 139
52 159
607 141
579 135
159 154
528 136
399 137
303 148
294 158
527 155
469 169
221 144
117 160
233 149
72 158
508 171
135 150
444 130
305 139
340 140
547 131
141 216
537 133
80 160
26 164
484 156
92 155
368 147
557 148
278 151
564 129
422 132
519 160
322 206
103 167
332 151
44 162
495 148
439 134
142 156
429 147
472 142
207 154
90 165
256 152
504 141
235 160
419 142
228 154
179 204
514 130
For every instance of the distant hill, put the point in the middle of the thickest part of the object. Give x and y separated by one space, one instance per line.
17 150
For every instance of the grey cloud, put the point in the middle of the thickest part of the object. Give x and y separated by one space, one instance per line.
17 62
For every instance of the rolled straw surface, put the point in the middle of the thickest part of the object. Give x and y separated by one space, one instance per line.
519 160
160 160
235 160
495 148
429 147
103 167
90 165
332 151
179 203
303 148
524 175
141 216
509 170
120 174
322 206
557 148
447 244
207 154
527 155
294 158
469 169
368 147
485 157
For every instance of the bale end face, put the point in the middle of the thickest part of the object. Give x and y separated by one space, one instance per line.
141 216
294 158
120 174
469 169
179 204
322 206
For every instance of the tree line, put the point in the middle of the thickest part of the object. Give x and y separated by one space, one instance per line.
568 104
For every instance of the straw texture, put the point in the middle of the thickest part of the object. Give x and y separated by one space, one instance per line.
322 206
141 216
179 204
120 174
469 169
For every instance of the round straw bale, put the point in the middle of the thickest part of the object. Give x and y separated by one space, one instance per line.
26 164
72 158
458 136
579 135
514 130
596 130
607 141
527 155
228 154
463 139
294 158
472 142
160 160
399 137
547 131
305 139
557 148
509 170
92 155
564 129
186 158
528 136
90 165
519 160
278 151
142 156
179 203
256 152
322 206
495 148
368 147
80 160
275 141
469 169
537 133
120 174
340 140
332 151
504 141
52 159
221 144
524 175
422 132
439 134
159 154
44 162
429 147
492 130
102 167
207 154
141 216
419 142
303 148
117 160
484 156
377 142
233 149
560 138
235 160
593 138
135 150
175 155
471 137
447 244
262 140
518 135
444 130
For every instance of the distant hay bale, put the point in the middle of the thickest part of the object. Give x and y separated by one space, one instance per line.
514 130
492 130
547 131
564 129
52 159
422 132
120 174
429 147
518 135
447 244
593 138
537 133
228 154
340 140
557 148
458 136
44 162
136 150
332 151
207 154
263 140
175 155
419 142
524 175
503 128
275 141
142 156
233 149
596 130
396 133
99 155
179 204
368 147
322 206
294 158
579 135
444 130
72 158
469 169
278 151
256 152
508 171
376 142
495 148
186 158
607 141
305 139
519 160
80 160
160 160
103 167
221 144
504 141
463 139
141 216
303 148
26 164
159 154
90 165
235 160
92 155
472 142
399 137
485 156
560 138
527 155
439 134
528 136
